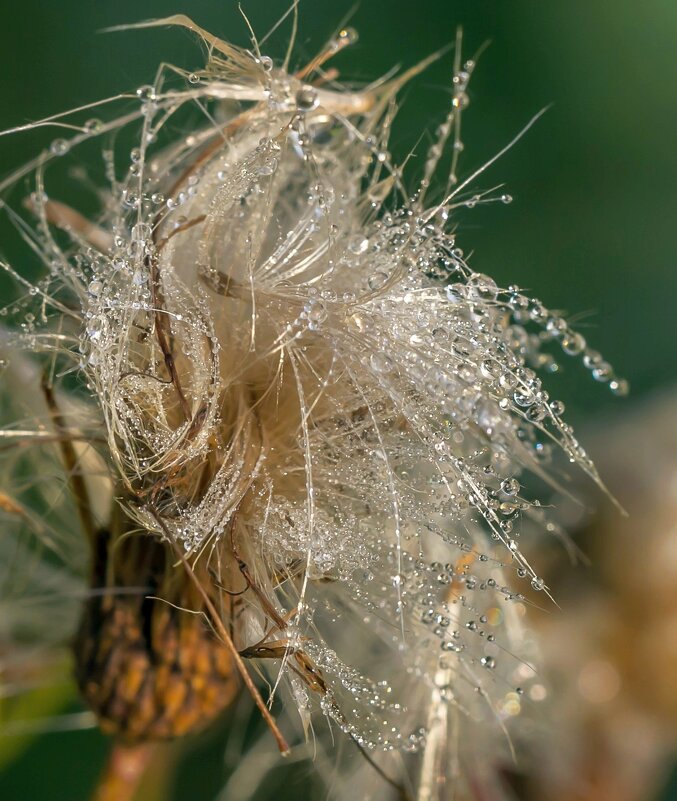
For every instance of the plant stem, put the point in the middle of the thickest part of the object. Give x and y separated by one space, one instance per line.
123 773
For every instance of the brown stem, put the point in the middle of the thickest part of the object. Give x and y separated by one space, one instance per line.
222 631
123 773
70 459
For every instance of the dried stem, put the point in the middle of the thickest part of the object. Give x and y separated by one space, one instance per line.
70 458
222 631
123 773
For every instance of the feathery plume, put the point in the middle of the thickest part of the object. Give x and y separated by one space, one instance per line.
294 421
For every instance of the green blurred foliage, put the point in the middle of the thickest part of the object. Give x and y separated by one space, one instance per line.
29 709
591 230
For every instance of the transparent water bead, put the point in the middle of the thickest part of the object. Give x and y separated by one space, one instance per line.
141 232
347 36
307 99
93 126
358 244
381 362
619 386
460 100
524 397
59 147
378 280
573 344
146 93
510 486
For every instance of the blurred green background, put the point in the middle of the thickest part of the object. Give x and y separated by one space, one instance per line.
591 230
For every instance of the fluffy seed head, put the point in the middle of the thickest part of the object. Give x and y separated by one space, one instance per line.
303 385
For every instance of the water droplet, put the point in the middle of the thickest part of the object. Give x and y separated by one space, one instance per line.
316 312
307 99
460 100
510 486
602 372
381 362
482 287
347 36
93 126
131 200
557 407
377 280
358 244
591 358
573 343
619 386
146 93
536 413
141 232
524 397
59 147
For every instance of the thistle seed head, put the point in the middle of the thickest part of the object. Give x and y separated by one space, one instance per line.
307 393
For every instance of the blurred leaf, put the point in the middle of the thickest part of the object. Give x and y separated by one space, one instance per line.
31 712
